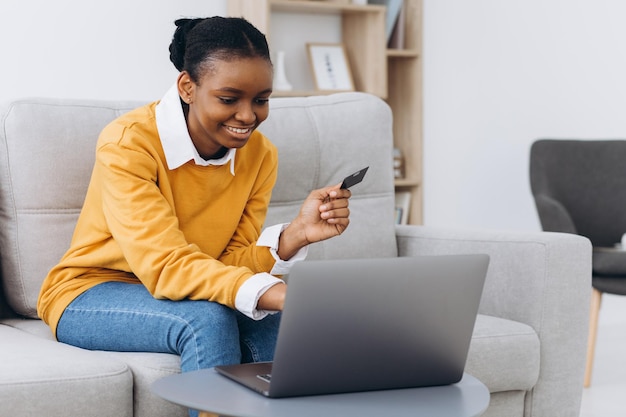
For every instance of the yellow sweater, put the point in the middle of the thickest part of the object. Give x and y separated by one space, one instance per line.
190 232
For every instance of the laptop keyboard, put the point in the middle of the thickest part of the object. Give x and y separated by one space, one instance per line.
265 377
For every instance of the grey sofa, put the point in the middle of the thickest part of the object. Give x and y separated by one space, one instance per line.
530 336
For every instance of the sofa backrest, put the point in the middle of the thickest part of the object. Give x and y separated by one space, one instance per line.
46 157
47 154
322 139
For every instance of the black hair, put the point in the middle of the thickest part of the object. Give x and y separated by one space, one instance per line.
198 42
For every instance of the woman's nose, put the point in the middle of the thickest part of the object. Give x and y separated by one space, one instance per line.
246 114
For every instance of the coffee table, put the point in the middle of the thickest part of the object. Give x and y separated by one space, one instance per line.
206 390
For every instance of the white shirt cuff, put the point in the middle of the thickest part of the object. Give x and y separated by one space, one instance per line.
249 293
269 238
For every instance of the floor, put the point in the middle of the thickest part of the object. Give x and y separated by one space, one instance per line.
607 395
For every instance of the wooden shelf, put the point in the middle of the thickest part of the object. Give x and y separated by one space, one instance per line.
407 182
403 53
392 74
302 93
305 6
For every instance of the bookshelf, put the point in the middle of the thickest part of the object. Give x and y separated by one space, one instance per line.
395 75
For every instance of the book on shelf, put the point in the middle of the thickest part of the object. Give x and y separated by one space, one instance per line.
393 11
398 32
403 206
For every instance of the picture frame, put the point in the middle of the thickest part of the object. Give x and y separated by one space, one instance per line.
330 67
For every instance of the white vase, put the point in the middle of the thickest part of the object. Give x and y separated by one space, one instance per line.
281 83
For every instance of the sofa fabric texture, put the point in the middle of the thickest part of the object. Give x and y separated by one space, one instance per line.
530 336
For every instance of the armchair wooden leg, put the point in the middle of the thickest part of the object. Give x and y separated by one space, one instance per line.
205 414
596 300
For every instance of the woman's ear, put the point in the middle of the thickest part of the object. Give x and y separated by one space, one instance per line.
185 87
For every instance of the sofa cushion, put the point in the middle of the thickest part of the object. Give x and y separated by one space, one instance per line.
32 326
46 157
145 367
321 158
504 354
39 377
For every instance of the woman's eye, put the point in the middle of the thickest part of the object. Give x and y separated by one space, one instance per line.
262 101
228 100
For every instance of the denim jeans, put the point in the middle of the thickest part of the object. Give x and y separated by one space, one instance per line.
125 317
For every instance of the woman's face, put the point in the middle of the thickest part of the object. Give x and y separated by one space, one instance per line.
229 102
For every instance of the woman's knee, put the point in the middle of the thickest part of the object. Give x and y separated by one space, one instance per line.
210 336
258 338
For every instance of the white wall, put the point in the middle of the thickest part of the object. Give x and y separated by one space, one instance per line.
497 75
500 74
114 49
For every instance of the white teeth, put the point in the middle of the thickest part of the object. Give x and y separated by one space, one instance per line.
237 130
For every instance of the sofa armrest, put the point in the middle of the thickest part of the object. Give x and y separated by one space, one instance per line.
539 278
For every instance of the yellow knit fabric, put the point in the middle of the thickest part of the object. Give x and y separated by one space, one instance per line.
185 233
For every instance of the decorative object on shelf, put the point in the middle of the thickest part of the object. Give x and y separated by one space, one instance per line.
398 163
403 206
393 11
330 67
281 83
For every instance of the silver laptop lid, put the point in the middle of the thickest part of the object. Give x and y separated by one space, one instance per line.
370 324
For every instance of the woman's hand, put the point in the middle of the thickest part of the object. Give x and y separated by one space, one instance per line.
273 299
324 214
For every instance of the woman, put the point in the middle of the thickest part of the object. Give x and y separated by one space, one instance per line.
168 254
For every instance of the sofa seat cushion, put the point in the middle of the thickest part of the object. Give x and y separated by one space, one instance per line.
33 326
147 368
44 377
504 354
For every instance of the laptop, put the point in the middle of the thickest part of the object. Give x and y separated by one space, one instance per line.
371 324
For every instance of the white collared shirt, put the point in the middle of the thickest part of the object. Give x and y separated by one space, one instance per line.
179 149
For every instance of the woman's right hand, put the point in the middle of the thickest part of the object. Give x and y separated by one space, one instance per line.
274 298
324 214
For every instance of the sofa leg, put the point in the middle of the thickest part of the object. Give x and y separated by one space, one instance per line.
596 300
205 414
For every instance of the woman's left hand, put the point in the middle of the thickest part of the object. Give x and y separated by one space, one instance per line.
323 214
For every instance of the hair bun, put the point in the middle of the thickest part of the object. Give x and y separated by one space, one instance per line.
179 42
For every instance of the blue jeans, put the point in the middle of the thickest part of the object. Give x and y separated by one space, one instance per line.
125 317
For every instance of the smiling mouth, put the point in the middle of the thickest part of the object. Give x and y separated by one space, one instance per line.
239 130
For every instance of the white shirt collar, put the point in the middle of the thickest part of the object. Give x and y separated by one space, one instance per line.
175 139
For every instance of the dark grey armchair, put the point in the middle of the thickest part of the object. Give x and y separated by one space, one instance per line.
579 187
